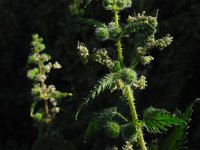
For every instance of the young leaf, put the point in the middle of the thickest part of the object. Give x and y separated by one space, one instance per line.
104 83
98 120
158 120
106 114
176 138
91 22
91 128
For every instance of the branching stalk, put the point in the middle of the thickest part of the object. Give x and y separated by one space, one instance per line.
42 84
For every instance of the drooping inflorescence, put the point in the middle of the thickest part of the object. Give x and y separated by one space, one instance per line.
42 92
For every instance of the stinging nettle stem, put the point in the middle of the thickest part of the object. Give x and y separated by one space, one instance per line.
130 98
118 43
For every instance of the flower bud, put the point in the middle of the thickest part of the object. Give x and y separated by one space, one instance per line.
83 52
102 33
38 117
114 32
112 129
56 65
116 4
141 83
128 75
146 59
108 4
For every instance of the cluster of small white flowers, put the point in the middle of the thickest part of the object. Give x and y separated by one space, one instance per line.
140 51
41 77
102 57
44 57
48 67
141 83
118 85
151 41
83 51
127 146
55 110
146 59
164 42
51 88
53 101
141 18
56 65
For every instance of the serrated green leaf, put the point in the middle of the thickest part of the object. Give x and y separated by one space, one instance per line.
129 132
98 120
91 128
90 22
176 138
104 83
159 120
106 114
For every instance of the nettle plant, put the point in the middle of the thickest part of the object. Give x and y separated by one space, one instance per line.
124 77
45 95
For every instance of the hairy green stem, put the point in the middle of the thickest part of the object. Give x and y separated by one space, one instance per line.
118 42
130 98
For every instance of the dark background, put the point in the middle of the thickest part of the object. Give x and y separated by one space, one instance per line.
173 78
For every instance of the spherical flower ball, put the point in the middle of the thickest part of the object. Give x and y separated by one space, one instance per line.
102 33
129 75
115 33
112 129
108 4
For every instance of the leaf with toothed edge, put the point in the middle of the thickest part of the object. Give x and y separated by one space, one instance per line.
105 83
159 120
98 120
176 139
91 22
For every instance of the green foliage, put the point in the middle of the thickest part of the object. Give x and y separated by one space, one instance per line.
91 128
75 9
158 120
90 22
106 114
129 132
116 4
98 121
176 139
104 83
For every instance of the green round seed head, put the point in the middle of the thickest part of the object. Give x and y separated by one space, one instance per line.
38 117
112 129
121 4
129 75
115 33
108 4
102 33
